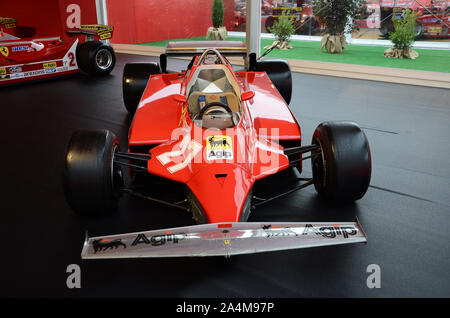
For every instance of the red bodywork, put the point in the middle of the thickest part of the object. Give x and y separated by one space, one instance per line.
29 58
220 186
436 25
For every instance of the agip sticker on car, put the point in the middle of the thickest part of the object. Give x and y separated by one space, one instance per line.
219 147
49 65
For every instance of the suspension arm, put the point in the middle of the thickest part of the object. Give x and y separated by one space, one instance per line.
136 160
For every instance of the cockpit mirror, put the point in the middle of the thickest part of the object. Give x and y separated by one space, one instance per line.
247 95
180 98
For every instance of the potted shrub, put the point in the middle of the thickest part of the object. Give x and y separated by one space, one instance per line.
403 36
283 28
337 16
217 31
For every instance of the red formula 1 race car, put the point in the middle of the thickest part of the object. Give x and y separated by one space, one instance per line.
216 133
433 17
434 23
24 57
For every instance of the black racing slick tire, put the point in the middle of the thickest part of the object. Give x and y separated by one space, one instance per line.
95 58
420 29
134 80
92 182
269 23
279 73
342 168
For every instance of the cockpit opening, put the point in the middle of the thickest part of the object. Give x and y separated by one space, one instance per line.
213 93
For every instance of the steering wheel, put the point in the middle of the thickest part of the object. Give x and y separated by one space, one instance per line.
212 104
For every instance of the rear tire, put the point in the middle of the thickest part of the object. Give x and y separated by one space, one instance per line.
279 73
134 80
95 58
419 30
310 27
342 170
269 23
386 27
92 182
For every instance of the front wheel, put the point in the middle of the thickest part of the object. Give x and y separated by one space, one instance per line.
92 182
342 168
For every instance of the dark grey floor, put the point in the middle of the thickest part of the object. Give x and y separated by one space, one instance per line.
406 212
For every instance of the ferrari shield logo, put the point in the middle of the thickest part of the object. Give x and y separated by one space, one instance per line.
219 147
4 50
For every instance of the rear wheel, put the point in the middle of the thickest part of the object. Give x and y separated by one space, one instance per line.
386 27
134 80
269 23
92 182
279 73
419 30
95 58
342 170
310 26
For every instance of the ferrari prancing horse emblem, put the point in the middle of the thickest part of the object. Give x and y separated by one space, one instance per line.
4 50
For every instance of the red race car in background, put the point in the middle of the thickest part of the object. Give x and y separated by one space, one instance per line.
433 16
300 12
25 57
215 133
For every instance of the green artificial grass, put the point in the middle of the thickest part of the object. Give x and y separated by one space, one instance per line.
428 60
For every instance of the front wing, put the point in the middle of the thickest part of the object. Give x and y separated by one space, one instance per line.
222 239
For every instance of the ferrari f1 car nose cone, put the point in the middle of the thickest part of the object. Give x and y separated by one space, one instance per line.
222 192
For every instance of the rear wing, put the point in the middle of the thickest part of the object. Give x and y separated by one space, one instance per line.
103 32
8 23
191 48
